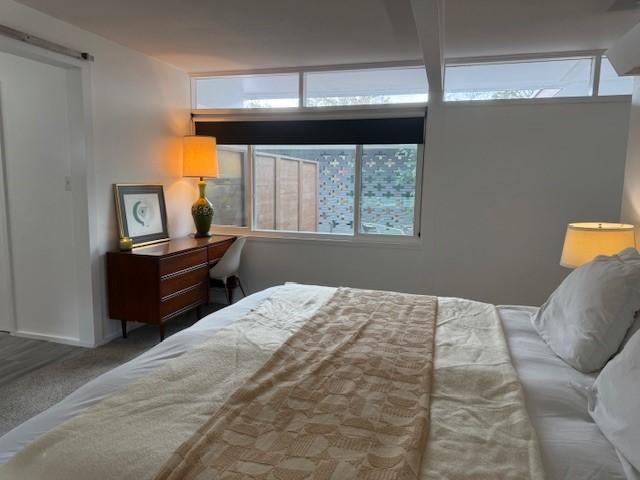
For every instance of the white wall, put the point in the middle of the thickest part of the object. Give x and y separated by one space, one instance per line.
631 193
501 183
139 110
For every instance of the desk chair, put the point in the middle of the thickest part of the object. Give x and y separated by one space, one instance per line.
225 272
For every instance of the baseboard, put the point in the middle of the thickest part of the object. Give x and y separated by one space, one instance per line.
52 338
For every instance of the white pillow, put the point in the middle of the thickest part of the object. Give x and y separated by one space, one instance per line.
585 320
631 255
635 326
615 401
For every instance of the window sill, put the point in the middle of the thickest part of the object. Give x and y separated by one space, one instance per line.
376 241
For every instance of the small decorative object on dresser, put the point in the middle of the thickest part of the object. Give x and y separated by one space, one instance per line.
200 159
125 244
141 213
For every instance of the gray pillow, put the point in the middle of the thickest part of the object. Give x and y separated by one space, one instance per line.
585 320
615 401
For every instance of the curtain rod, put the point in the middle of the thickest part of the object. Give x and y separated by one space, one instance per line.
42 43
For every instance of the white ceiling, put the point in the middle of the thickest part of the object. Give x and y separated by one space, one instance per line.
496 27
210 35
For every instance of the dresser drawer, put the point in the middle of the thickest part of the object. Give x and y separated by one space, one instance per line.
181 281
176 263
184 300
217 251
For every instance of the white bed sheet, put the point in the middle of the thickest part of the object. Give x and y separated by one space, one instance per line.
571 444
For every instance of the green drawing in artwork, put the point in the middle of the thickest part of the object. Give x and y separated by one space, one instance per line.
141 213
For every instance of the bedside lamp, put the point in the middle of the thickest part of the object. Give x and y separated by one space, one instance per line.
200 159
585 241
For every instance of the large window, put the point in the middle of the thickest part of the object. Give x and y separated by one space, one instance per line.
324 189
342 177
565 77
611 83
304 188
366 87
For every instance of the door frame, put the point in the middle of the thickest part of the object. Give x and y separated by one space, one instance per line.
6 282
83 181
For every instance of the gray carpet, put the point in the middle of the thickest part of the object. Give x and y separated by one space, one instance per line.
35 375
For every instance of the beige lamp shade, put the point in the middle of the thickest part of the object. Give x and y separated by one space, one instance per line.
585 241
199 157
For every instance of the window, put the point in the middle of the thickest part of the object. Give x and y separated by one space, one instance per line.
227 192
305 188
247 91
322 88
348 177
611 83
366 87
388 192
546 78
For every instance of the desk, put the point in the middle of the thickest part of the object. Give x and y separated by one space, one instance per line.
156 283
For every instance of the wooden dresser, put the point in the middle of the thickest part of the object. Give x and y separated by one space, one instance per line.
155 283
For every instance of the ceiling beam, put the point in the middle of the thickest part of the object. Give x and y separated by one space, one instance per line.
428 16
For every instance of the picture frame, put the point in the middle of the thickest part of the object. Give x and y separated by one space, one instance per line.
141 212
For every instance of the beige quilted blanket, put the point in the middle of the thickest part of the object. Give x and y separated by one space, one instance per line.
479 426
346 396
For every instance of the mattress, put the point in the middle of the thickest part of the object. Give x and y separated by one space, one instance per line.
571 444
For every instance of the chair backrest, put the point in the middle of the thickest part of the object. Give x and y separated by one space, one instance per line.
229 264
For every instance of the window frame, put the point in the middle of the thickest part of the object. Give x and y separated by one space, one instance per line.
357 237
600 58
301 71
385 109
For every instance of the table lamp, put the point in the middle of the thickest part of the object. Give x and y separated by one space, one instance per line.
585 241
200 159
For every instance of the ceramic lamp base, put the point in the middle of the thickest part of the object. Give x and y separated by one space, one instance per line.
202 213
202 235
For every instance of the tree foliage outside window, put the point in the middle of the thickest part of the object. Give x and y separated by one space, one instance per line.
495 95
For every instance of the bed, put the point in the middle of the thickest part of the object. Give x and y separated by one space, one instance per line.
571 445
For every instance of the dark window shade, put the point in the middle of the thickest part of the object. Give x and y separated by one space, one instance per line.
316 132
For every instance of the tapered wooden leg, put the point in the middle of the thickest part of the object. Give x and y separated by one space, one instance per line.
161 331
228 292
241 287
123 323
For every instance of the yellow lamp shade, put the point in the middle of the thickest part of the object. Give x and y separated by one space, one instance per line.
585 241
199 157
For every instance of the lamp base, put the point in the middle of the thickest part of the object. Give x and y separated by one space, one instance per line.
202 213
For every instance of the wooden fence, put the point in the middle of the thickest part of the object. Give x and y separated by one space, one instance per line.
286 193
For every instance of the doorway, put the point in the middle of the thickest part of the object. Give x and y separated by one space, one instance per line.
38 284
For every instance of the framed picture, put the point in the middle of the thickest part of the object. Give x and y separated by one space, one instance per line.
142 213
